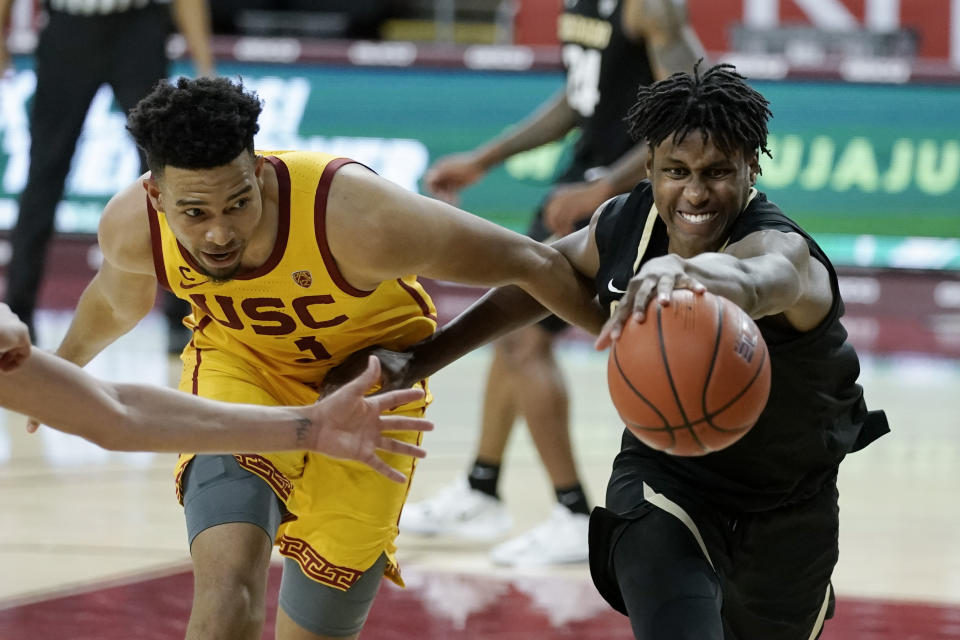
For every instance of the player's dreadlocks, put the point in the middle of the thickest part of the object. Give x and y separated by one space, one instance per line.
719 103
196 124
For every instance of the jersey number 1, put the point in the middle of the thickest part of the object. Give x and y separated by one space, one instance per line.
314 346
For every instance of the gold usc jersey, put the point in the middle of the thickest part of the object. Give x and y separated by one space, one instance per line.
269 337
295 315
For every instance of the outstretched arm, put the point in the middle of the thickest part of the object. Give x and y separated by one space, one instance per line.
129 417
495 314
766 273
506 309
419 235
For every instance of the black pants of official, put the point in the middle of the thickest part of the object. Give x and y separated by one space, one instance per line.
75 55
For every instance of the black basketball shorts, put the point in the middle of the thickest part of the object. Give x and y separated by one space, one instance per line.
659 556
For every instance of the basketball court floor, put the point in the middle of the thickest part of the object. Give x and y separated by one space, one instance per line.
92 544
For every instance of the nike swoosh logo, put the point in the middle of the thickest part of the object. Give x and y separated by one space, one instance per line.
612 288
185 285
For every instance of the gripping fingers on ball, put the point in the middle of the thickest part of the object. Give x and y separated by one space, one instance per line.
642 297
665 286
612 328
688 282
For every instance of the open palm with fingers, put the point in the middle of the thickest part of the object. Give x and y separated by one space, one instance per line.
351 425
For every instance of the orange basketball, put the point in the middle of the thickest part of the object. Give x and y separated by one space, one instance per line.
693 377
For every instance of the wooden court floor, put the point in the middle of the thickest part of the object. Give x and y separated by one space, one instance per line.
92 543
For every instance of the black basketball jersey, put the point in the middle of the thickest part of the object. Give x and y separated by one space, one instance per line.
816 412
604 69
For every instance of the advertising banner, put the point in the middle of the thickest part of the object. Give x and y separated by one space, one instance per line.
856 160
935 23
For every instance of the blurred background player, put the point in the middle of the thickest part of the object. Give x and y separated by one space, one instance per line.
609 49
82 46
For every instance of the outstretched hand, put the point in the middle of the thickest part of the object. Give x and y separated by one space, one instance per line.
349 425
657 278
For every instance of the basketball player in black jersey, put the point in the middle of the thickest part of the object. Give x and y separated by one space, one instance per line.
739 544
609 47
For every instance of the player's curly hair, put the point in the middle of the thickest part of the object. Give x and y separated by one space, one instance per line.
197 123
719 103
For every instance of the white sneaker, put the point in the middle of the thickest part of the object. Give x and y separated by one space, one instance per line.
562 539
458 511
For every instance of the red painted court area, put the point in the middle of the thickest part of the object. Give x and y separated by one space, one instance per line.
435 606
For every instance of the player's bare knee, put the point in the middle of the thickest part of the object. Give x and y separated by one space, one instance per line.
225 577
235 601
234 586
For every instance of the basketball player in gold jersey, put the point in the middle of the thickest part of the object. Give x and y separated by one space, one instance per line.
133 417
292 261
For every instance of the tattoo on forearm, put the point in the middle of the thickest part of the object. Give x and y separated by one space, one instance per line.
303 429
